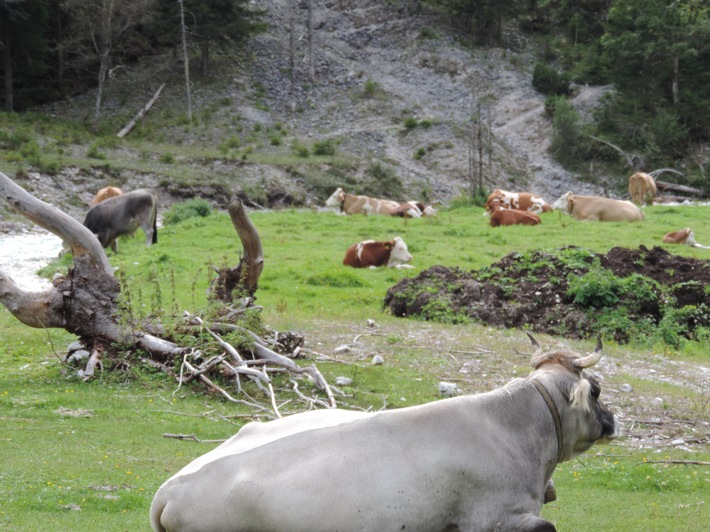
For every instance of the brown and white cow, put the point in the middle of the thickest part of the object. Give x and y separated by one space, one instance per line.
501 216
642 188
372 254
522 201
351 204
122 215
473 462
684 236
106 193
414 209
598 208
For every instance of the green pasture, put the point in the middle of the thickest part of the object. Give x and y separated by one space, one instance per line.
89 456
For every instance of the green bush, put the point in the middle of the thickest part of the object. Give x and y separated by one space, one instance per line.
324 147
192 208
597 288
370 89
567 141
95 152
548 81
410 123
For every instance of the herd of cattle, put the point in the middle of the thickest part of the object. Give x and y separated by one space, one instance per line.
504 208
114 213
427 467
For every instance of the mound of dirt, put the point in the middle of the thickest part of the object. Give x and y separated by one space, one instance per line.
570 292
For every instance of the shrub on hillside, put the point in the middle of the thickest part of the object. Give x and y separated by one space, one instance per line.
548 81
192 208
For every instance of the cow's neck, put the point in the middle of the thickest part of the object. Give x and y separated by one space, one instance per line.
553 412
348 200
529 419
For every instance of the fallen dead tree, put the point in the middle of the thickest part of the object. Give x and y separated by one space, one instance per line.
84 302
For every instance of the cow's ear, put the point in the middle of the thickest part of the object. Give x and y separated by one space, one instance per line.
388 245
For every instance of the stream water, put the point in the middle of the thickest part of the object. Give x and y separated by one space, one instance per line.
22 255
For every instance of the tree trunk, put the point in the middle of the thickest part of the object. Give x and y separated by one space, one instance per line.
245 276
186 61
7 66
85 301
103 71
674 81
205 59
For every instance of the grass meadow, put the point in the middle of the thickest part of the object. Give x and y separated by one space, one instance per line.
90 455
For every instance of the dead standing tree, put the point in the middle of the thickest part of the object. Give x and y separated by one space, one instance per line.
84 302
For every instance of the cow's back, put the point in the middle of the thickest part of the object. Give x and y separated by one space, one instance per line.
597 208
368 254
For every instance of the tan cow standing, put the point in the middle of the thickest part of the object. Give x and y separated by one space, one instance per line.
597 208
106 193
642 188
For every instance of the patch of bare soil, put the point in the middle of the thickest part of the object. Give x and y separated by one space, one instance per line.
572 293
662 402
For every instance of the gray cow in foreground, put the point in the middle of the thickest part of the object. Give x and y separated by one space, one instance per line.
478 463
122 215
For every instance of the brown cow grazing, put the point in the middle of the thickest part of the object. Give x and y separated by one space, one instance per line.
106 193
642 188
598 208
371 254
351 204
122 215
501 216
523 201
684 236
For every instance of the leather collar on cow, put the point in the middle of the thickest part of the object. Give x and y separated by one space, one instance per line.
553 411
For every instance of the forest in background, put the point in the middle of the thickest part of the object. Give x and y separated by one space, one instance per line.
654 53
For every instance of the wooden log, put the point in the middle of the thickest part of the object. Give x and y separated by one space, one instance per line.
127 129
662 185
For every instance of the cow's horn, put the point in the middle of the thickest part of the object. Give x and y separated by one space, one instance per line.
534 359
533 341
590 360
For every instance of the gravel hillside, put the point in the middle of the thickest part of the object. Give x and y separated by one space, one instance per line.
375 65
425 73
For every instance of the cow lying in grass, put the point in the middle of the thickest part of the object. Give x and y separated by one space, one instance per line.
476 462
501 216
522 201
352 204
597 208
684 236
372 254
